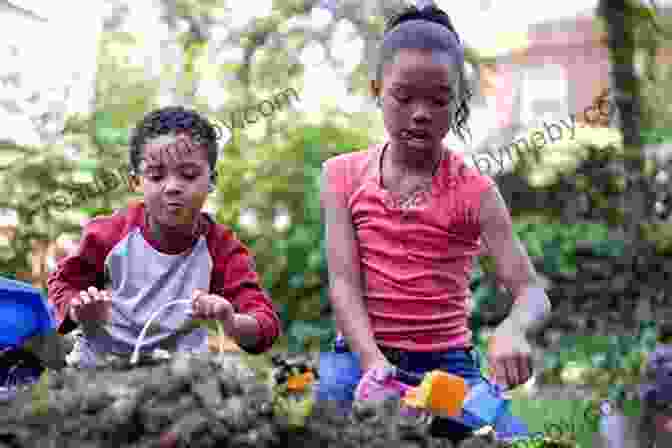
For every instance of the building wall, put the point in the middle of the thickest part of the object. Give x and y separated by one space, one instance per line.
579 48
576 45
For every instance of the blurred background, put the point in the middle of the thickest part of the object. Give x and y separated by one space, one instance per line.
75 75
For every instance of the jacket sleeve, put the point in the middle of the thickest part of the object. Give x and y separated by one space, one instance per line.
74 273
235 278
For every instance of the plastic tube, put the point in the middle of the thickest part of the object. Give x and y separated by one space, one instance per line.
136 351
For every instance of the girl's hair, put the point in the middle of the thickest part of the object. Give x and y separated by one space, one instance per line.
420 31
174 120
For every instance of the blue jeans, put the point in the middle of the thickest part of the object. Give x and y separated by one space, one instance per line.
340 372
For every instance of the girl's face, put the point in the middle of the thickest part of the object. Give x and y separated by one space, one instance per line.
175 176
419 99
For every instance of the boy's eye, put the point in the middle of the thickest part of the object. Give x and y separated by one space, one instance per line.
191 174
156 176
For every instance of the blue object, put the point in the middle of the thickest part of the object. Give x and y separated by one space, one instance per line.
24 312
340 372
484 405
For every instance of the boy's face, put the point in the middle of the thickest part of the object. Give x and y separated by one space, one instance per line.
175 175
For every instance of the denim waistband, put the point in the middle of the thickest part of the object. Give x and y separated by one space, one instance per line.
400 357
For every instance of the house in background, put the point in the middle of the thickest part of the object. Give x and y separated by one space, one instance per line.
560 68
563 69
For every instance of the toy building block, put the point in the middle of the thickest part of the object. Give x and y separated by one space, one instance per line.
27 323
440 393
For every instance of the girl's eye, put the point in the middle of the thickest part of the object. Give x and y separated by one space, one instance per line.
402 98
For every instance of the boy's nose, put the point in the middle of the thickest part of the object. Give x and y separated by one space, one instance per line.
173 185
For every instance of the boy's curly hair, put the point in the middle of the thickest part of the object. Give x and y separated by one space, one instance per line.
173 120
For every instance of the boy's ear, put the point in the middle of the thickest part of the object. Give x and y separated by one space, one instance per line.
135 183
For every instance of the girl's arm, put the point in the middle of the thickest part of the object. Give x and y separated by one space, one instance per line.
345 285
514 269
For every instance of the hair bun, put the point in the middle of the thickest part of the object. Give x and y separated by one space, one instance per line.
424 4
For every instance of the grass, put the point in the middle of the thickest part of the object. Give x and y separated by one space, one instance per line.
566 415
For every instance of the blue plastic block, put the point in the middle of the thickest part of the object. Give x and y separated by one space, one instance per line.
483 405
24 312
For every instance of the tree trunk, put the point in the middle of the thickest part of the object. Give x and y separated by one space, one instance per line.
620 26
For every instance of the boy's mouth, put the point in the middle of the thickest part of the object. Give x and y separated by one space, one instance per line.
174 205
176 209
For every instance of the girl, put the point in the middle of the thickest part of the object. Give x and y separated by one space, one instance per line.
165 248
404 220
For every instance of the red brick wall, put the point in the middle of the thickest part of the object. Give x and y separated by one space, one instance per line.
576 45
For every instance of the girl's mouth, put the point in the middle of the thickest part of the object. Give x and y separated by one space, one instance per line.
415 136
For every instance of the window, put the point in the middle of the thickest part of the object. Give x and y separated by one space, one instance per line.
544 94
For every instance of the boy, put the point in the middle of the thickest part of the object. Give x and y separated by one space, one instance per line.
160 250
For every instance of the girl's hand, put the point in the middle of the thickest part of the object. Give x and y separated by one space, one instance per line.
91 305
213 307
510 356
372 384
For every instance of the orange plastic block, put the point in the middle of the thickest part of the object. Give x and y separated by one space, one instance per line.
298 383
440 392
448 393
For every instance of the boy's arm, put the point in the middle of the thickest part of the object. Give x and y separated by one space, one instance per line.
257 324
74 273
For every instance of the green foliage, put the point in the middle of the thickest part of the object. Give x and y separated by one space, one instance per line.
609 362
556 242
284 176
660 234
553 242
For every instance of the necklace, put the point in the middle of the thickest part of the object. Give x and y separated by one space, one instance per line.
418 194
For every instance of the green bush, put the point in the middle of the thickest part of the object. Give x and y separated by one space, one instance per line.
610 362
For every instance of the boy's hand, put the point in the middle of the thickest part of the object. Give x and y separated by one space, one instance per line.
91 305
213 307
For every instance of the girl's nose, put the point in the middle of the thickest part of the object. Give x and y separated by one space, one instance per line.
421 113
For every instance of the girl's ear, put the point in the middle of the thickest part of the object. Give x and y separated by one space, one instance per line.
374 86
